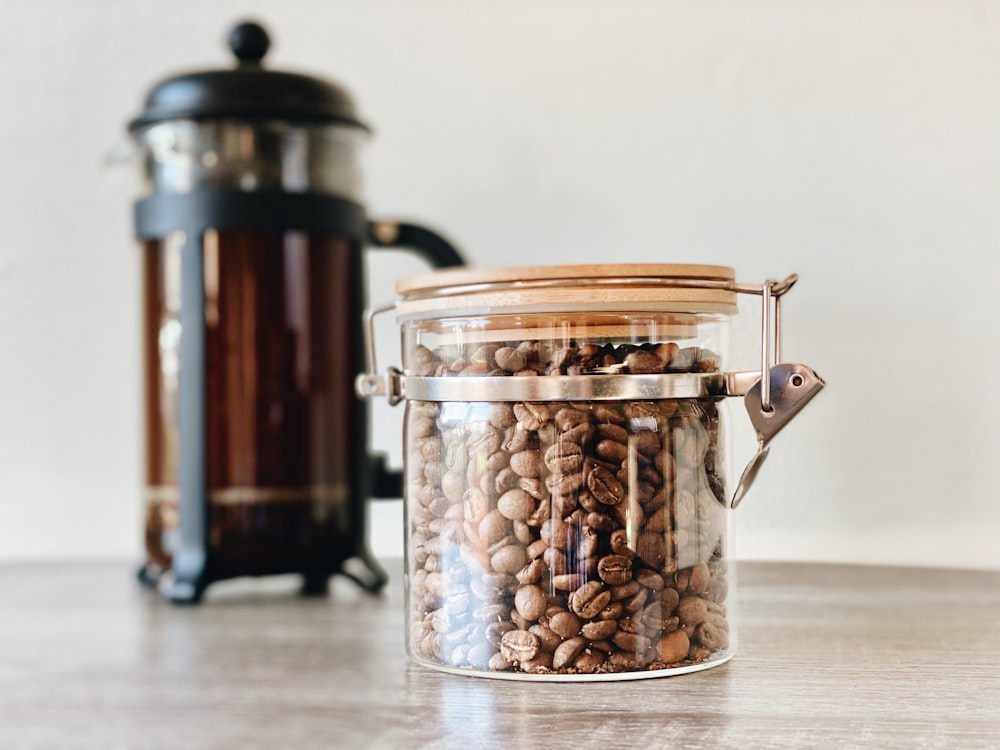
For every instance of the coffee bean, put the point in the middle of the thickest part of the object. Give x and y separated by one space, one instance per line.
519 645
564 484
541 664
511 359
495 632
631 642
510 558
615 569
588 600
534 486
713 634
673 647
527 463
547 640
531 416
533 572
641 361
612 431
601 522
516 504
564 457
599 629
568 581
604 486
699 578
565 624
567 652
589 661
692 610
530 602
611 450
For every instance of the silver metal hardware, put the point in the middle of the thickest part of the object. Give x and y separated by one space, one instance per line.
792 386
579 388
371 383
772 396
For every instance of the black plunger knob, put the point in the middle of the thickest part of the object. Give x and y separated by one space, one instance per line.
249 42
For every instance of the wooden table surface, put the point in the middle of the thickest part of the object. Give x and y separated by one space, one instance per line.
829 656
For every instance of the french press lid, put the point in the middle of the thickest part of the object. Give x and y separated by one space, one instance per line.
248 91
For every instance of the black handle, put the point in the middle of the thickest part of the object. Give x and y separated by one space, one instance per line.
429 245
388 483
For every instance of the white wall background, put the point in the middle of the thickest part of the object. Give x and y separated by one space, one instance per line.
854 142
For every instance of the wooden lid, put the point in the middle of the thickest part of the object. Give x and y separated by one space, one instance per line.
622 287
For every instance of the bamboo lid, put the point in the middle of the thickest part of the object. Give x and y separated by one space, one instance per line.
620 287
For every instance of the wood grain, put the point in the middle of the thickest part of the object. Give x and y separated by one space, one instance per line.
829 656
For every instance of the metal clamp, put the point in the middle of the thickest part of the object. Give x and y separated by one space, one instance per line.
371 382
771 290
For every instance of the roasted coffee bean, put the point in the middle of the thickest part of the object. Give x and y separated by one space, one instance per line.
510 558
611 450
564 457
601 522
564 484
604 486
713 634
599 629
589 661
699 578
624 591
494 527
519 645
523 532
527 463
530 602
517 438
533 572
568 417
612 431
567 652
673 647
565 624
541 664
588 600
641 361
568 581
620 544
534 486
615 569
511 359
631 642
531 416
548 640
580 435
692 610
506 479
556 560
516 504
496 630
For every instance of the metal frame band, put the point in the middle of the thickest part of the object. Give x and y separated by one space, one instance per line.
578 387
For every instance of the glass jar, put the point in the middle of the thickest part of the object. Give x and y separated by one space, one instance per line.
563 521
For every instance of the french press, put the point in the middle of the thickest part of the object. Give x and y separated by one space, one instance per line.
252 227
